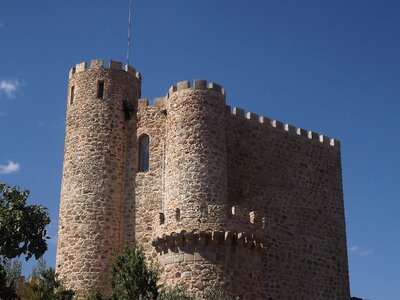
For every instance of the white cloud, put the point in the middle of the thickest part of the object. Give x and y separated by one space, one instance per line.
361 251
9 168
9 87
354 249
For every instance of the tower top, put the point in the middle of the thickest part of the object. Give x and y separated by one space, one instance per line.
99 63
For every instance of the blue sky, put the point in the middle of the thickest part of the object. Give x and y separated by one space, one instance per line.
328 66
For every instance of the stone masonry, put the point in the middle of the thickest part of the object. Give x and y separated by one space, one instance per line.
230 199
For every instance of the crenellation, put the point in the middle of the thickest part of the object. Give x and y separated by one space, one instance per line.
313 135
182 85
215 87
197 85
265 120
335 143
116 65
71 72
325 139
130 69
238 112
252 116
160 102
99 64
290 128
200 84
96 63
142 103
80 67
277 124
302 132
171 90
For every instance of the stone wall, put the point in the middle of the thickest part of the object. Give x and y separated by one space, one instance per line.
294 178
93 190
151 120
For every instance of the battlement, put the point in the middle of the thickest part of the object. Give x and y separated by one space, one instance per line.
205 238
158 102
99 63
241 113
288 128
236 217
197 85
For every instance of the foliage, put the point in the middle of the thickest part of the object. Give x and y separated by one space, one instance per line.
176 293
217 294
96 295
26 292
130 276
22 232
7 289
22 227
12 269
47 285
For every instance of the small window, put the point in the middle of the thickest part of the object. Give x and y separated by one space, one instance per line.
100 89
144 153
71 95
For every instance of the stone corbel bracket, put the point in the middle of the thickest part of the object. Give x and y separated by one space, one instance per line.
206 238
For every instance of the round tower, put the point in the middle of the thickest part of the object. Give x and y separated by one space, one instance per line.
197 240
99 132
196 170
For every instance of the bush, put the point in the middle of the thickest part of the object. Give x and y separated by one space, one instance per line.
176 293
130 276
217 294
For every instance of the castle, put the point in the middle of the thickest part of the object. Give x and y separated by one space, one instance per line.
217 196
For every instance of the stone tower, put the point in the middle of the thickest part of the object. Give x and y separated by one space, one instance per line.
199 231
93 193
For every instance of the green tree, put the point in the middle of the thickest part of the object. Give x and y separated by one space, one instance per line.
131 277
22 232
22 226
10 272
46 284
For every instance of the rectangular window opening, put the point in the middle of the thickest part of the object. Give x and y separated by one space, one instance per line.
71 95
100 89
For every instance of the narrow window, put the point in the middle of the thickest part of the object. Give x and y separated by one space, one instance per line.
178 214
100 89
144 153
71 95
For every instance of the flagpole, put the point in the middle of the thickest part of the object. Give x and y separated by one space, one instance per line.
129 32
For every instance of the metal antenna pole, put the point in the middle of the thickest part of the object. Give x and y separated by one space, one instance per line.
129 32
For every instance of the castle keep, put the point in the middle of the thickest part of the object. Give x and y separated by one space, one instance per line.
217 196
